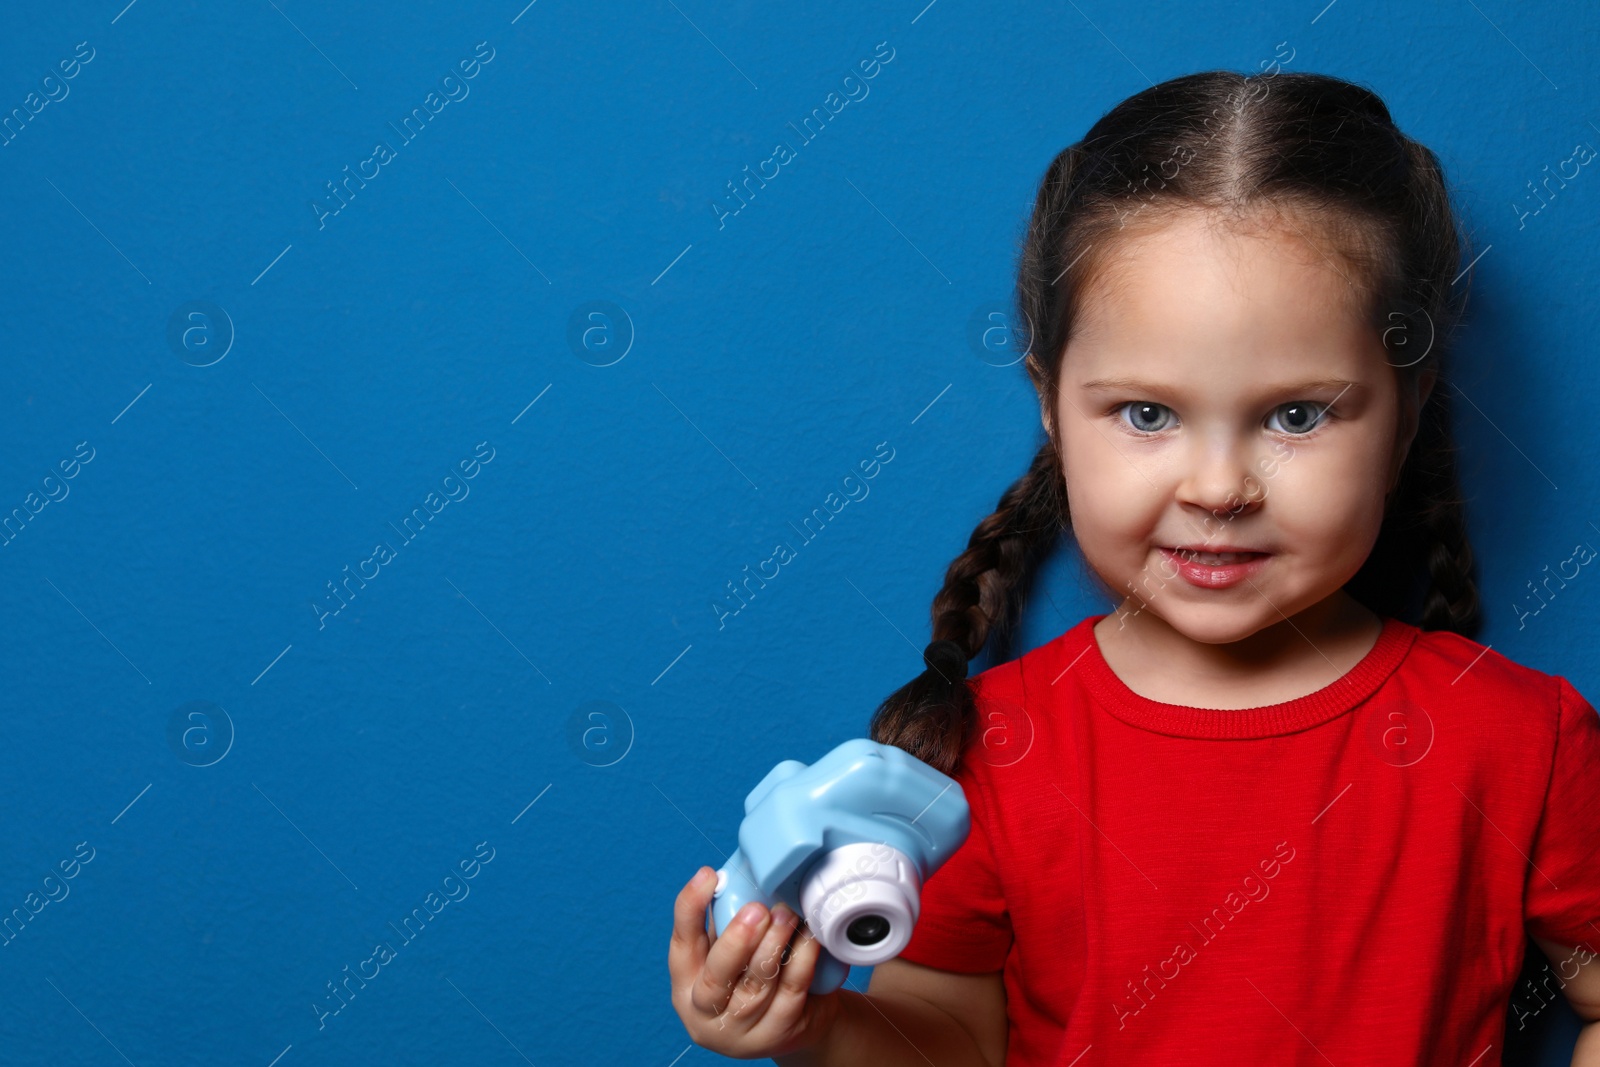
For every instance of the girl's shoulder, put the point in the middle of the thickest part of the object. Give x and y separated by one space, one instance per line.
1511 705
1459 661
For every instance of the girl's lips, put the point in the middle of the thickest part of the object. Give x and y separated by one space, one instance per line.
1234 567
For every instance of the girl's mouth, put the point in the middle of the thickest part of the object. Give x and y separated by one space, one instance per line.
1214 570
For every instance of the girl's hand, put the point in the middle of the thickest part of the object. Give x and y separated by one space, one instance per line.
744 994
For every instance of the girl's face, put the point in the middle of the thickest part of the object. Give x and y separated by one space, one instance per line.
1230 426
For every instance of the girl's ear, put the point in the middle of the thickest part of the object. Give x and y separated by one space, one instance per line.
1412 401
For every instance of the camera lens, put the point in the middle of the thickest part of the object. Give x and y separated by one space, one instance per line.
867 930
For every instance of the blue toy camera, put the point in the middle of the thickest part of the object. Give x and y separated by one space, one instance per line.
846 843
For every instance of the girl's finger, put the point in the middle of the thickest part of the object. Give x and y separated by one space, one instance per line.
727 958
794 980
759 979
686 952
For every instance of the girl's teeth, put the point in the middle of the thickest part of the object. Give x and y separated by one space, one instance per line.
1217 559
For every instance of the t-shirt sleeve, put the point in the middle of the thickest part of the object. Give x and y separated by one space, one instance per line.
1562 901
963 924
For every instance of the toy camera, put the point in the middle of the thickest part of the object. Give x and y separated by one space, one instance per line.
846 843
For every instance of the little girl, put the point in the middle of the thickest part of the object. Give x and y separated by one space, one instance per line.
1253 814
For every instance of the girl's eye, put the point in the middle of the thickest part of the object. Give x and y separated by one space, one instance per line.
1146 417
1300 417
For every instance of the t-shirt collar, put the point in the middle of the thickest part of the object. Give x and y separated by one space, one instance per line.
1269 720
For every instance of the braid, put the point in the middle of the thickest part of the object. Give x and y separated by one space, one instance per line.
1451 600
932 715
1421 569
979 584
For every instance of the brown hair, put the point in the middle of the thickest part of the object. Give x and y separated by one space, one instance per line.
1313 148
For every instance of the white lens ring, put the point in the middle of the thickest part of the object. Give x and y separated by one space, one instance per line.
861 901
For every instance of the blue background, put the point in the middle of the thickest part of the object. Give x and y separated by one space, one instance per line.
738 370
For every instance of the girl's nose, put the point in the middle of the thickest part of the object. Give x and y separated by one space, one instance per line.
1218 478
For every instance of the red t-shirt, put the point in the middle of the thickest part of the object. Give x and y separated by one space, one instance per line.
1345 877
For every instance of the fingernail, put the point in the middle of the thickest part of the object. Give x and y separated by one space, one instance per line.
752 915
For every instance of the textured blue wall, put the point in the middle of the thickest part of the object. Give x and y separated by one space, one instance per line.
526 325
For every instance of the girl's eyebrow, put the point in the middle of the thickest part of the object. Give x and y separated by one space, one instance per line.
1141 385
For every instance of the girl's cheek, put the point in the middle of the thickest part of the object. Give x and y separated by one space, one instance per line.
1333 506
